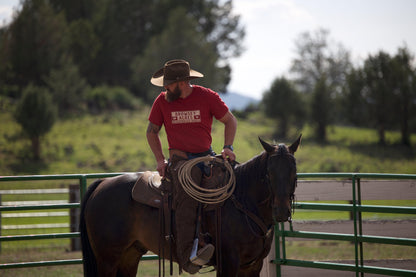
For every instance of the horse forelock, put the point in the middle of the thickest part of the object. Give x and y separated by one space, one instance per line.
282 149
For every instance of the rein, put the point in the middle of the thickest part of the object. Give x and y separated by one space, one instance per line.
260 223
256 219
266 231
251 215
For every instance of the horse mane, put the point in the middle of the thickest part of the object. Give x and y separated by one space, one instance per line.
250 172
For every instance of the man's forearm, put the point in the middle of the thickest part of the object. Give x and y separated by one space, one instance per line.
153 140
230 129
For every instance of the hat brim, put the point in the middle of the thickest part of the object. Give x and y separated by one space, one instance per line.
158 80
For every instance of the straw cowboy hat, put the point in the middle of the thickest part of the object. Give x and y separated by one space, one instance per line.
174 71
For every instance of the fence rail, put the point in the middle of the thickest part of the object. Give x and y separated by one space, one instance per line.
33 191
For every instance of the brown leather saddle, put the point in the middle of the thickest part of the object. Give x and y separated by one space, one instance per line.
147 189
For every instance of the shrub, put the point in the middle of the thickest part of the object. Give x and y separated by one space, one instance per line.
36 114
104 98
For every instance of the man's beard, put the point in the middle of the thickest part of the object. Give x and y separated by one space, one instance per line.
173 95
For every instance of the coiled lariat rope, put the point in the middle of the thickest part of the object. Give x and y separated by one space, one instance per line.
206 195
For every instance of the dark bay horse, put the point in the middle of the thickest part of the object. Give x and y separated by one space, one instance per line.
116 231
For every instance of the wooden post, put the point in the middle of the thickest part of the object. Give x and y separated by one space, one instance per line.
74 197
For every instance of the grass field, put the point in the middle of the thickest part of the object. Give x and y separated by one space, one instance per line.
116 142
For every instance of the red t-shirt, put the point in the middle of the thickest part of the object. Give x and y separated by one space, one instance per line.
188 121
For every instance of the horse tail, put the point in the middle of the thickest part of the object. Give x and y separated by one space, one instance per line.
89 262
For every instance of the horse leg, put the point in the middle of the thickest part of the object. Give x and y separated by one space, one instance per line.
230 263
228 271
106 268
129 262
252 271
122 264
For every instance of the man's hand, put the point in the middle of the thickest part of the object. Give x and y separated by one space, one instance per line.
161 167
228 154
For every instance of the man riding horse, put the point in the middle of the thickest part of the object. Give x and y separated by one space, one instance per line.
186 111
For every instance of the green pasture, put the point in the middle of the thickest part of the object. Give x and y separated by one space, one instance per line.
116 142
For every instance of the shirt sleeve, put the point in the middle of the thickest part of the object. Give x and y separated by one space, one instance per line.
218 107
156 115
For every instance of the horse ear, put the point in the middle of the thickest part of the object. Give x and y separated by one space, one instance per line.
268 147
295 145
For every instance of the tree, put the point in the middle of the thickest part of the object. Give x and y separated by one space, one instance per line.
35 42
104 36
76 9
320 72
67 88
127 28
124 28
84 45
354 108
283 103
379 92
180 39
404 90
36 114
321 107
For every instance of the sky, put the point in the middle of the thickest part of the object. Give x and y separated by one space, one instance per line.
363 27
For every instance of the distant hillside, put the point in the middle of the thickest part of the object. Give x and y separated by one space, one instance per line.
237 101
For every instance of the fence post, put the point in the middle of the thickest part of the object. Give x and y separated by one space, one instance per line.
74 197
351 212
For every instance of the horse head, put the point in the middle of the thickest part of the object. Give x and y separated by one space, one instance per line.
281 177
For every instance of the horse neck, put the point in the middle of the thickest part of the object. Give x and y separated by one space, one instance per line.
252 187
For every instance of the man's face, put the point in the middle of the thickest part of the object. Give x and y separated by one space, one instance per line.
173 92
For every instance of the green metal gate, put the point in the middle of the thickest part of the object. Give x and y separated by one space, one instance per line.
82 179
356 208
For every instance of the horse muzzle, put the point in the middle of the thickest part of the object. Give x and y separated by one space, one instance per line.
282 214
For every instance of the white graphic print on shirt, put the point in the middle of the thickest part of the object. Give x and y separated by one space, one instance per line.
186 117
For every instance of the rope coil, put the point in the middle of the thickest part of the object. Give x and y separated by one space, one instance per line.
206 195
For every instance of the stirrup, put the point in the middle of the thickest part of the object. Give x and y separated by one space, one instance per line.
204 255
